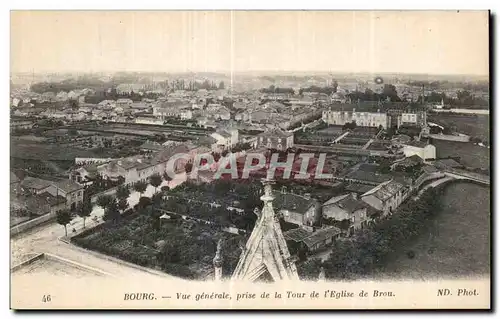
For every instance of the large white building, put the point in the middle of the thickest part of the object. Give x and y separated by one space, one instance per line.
423 150
368 119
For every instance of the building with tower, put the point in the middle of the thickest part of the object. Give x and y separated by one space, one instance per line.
266 253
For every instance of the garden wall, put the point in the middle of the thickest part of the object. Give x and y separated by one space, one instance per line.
31 223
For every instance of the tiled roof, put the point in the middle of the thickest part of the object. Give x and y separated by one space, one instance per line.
68 185
291 202
321 235
347 202
50 199
385 190
35 183
311 238
296 234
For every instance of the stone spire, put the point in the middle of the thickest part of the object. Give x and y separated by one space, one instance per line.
218 262
266 249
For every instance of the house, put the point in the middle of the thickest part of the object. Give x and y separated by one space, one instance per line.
62 96
172 108
275 139
225 139
15 102
186 114
222 114
137 107
16 125
240 105
386 197
367 119
73 192
338 97
408 163
303 101
347 207
297 209
124 103
243 116
424 150
314 240
70 190
85 174
262 116
42 204
110 104
136 168
34 185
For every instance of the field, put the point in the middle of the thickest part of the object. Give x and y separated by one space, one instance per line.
457 242
47 152
470 155
474 126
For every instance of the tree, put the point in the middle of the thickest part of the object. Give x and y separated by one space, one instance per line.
140 187
155 180
221 85
122 192
144 202
64 218
188 167
122 204
84 210
164 189
104 201
111 212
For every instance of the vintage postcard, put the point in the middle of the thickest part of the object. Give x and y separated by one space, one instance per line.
250 160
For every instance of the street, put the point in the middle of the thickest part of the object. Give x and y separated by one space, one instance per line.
45 239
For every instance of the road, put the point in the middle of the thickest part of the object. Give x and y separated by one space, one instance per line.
45 239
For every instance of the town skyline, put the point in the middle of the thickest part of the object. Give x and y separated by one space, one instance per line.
438 42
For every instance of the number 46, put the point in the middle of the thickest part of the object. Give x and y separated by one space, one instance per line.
46 298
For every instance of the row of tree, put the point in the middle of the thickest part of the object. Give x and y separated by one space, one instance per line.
114 206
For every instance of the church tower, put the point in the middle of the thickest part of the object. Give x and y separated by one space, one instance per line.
266 253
